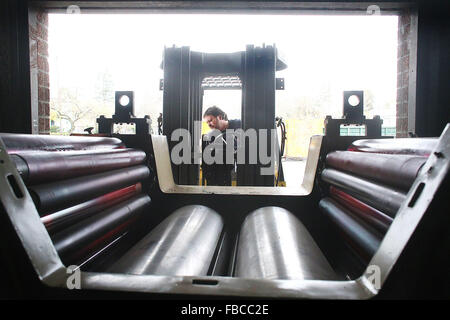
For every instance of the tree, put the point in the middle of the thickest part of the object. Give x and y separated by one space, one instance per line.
68 106
105 87
369 103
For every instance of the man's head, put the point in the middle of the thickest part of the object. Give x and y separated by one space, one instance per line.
216 118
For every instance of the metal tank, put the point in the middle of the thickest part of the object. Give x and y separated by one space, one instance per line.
183 244
274 244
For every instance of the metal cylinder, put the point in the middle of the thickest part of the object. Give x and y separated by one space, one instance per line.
18 142
274 244
95 250
21 166
395 170
96 261
372 216
84 237
59 220
183 244
58 195
385 199
360 237
412 146
42 166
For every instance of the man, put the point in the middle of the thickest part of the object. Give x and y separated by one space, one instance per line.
217 119
219 174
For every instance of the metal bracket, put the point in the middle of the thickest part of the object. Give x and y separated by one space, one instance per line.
124 111
279 83
26 221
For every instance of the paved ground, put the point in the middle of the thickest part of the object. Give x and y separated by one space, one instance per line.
293 172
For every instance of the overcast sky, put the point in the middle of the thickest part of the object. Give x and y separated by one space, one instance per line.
348 52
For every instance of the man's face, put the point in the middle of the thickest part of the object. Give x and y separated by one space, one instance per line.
213 122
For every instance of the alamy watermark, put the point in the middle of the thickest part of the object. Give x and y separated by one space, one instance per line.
373 10
227 147
74 280
374 276
73 9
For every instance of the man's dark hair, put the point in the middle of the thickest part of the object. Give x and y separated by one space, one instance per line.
215 112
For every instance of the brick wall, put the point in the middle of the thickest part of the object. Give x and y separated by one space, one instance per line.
404 23
40 84
406 73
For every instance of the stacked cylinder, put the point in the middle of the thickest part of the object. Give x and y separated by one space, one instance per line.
87 190
366 186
